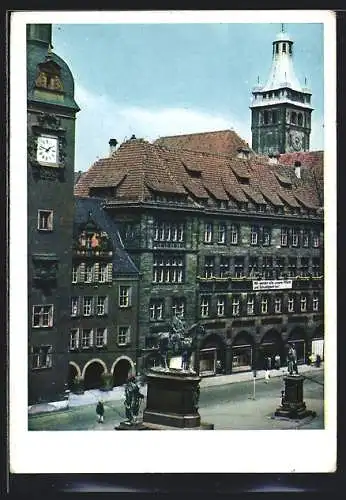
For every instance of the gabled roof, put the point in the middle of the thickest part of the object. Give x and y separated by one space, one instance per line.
90 209
221 141
138 170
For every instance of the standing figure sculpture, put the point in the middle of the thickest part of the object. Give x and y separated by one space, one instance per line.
292 360
133 398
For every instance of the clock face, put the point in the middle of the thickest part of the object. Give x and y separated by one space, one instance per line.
47 149
296 140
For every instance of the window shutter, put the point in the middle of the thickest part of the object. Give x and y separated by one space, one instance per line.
105 334
50 315
96 271
128 335
91 337
49 357
77 338
106 305
109 272
81 272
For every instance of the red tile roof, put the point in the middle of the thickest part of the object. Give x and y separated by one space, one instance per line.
221 141
138 170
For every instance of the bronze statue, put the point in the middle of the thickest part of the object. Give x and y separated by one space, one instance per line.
133 399
292 360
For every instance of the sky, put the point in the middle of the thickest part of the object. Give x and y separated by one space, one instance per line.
158 79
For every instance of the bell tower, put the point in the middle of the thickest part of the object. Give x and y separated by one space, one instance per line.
281 109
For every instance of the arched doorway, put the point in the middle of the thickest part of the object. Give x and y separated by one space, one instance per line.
298 338
211 355
92 375
317 342
121 371
242 352
271 345
72 374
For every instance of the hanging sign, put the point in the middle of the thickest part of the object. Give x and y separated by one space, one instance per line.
271 284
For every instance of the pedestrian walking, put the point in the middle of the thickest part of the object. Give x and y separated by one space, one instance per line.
100 411
318 361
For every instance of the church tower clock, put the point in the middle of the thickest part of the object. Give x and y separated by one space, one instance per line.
51 113
281 109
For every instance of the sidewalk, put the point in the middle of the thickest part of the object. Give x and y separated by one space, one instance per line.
117 393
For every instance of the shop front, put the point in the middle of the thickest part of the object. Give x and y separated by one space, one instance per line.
242 353
317 343
271 346
207 361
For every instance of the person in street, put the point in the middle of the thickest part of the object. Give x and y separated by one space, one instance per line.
100 411
318 361
268 364
277 361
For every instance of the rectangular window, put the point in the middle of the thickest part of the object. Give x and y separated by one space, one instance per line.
254 235
239 267
224 266
221 233
315 302
168 269
89 273
235 306
123 335
178 307
250 305
208 233
292 267
220 306
45 220
264 304
101 306
42 316
266 240
167 231
101 337
295 238
74 274
102 273
87 338
316 266
315 239
87 306
306 239
304 266
303 303
277 304
156 310
267 267
253 267
290 307
41 357
74 339
279 267
205 303
124 296
209 263
74 306
234 230
284 236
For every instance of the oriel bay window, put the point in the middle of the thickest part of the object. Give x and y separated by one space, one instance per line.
42 316
221 233
234 232
168 269
224 266
208 232
209 264
239 267
205 306
220 305
178 307
156 310
41 357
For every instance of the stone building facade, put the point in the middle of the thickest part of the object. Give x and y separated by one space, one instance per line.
51 113
232 242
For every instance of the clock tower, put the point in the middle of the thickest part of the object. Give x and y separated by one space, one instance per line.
51 112
281 109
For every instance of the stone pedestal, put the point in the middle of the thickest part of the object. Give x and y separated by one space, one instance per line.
172 399
292 404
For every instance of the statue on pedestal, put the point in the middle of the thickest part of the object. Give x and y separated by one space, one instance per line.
177 343
133 399
292 360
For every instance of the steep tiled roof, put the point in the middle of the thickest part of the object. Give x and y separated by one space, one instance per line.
87 209
221 141
139 170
